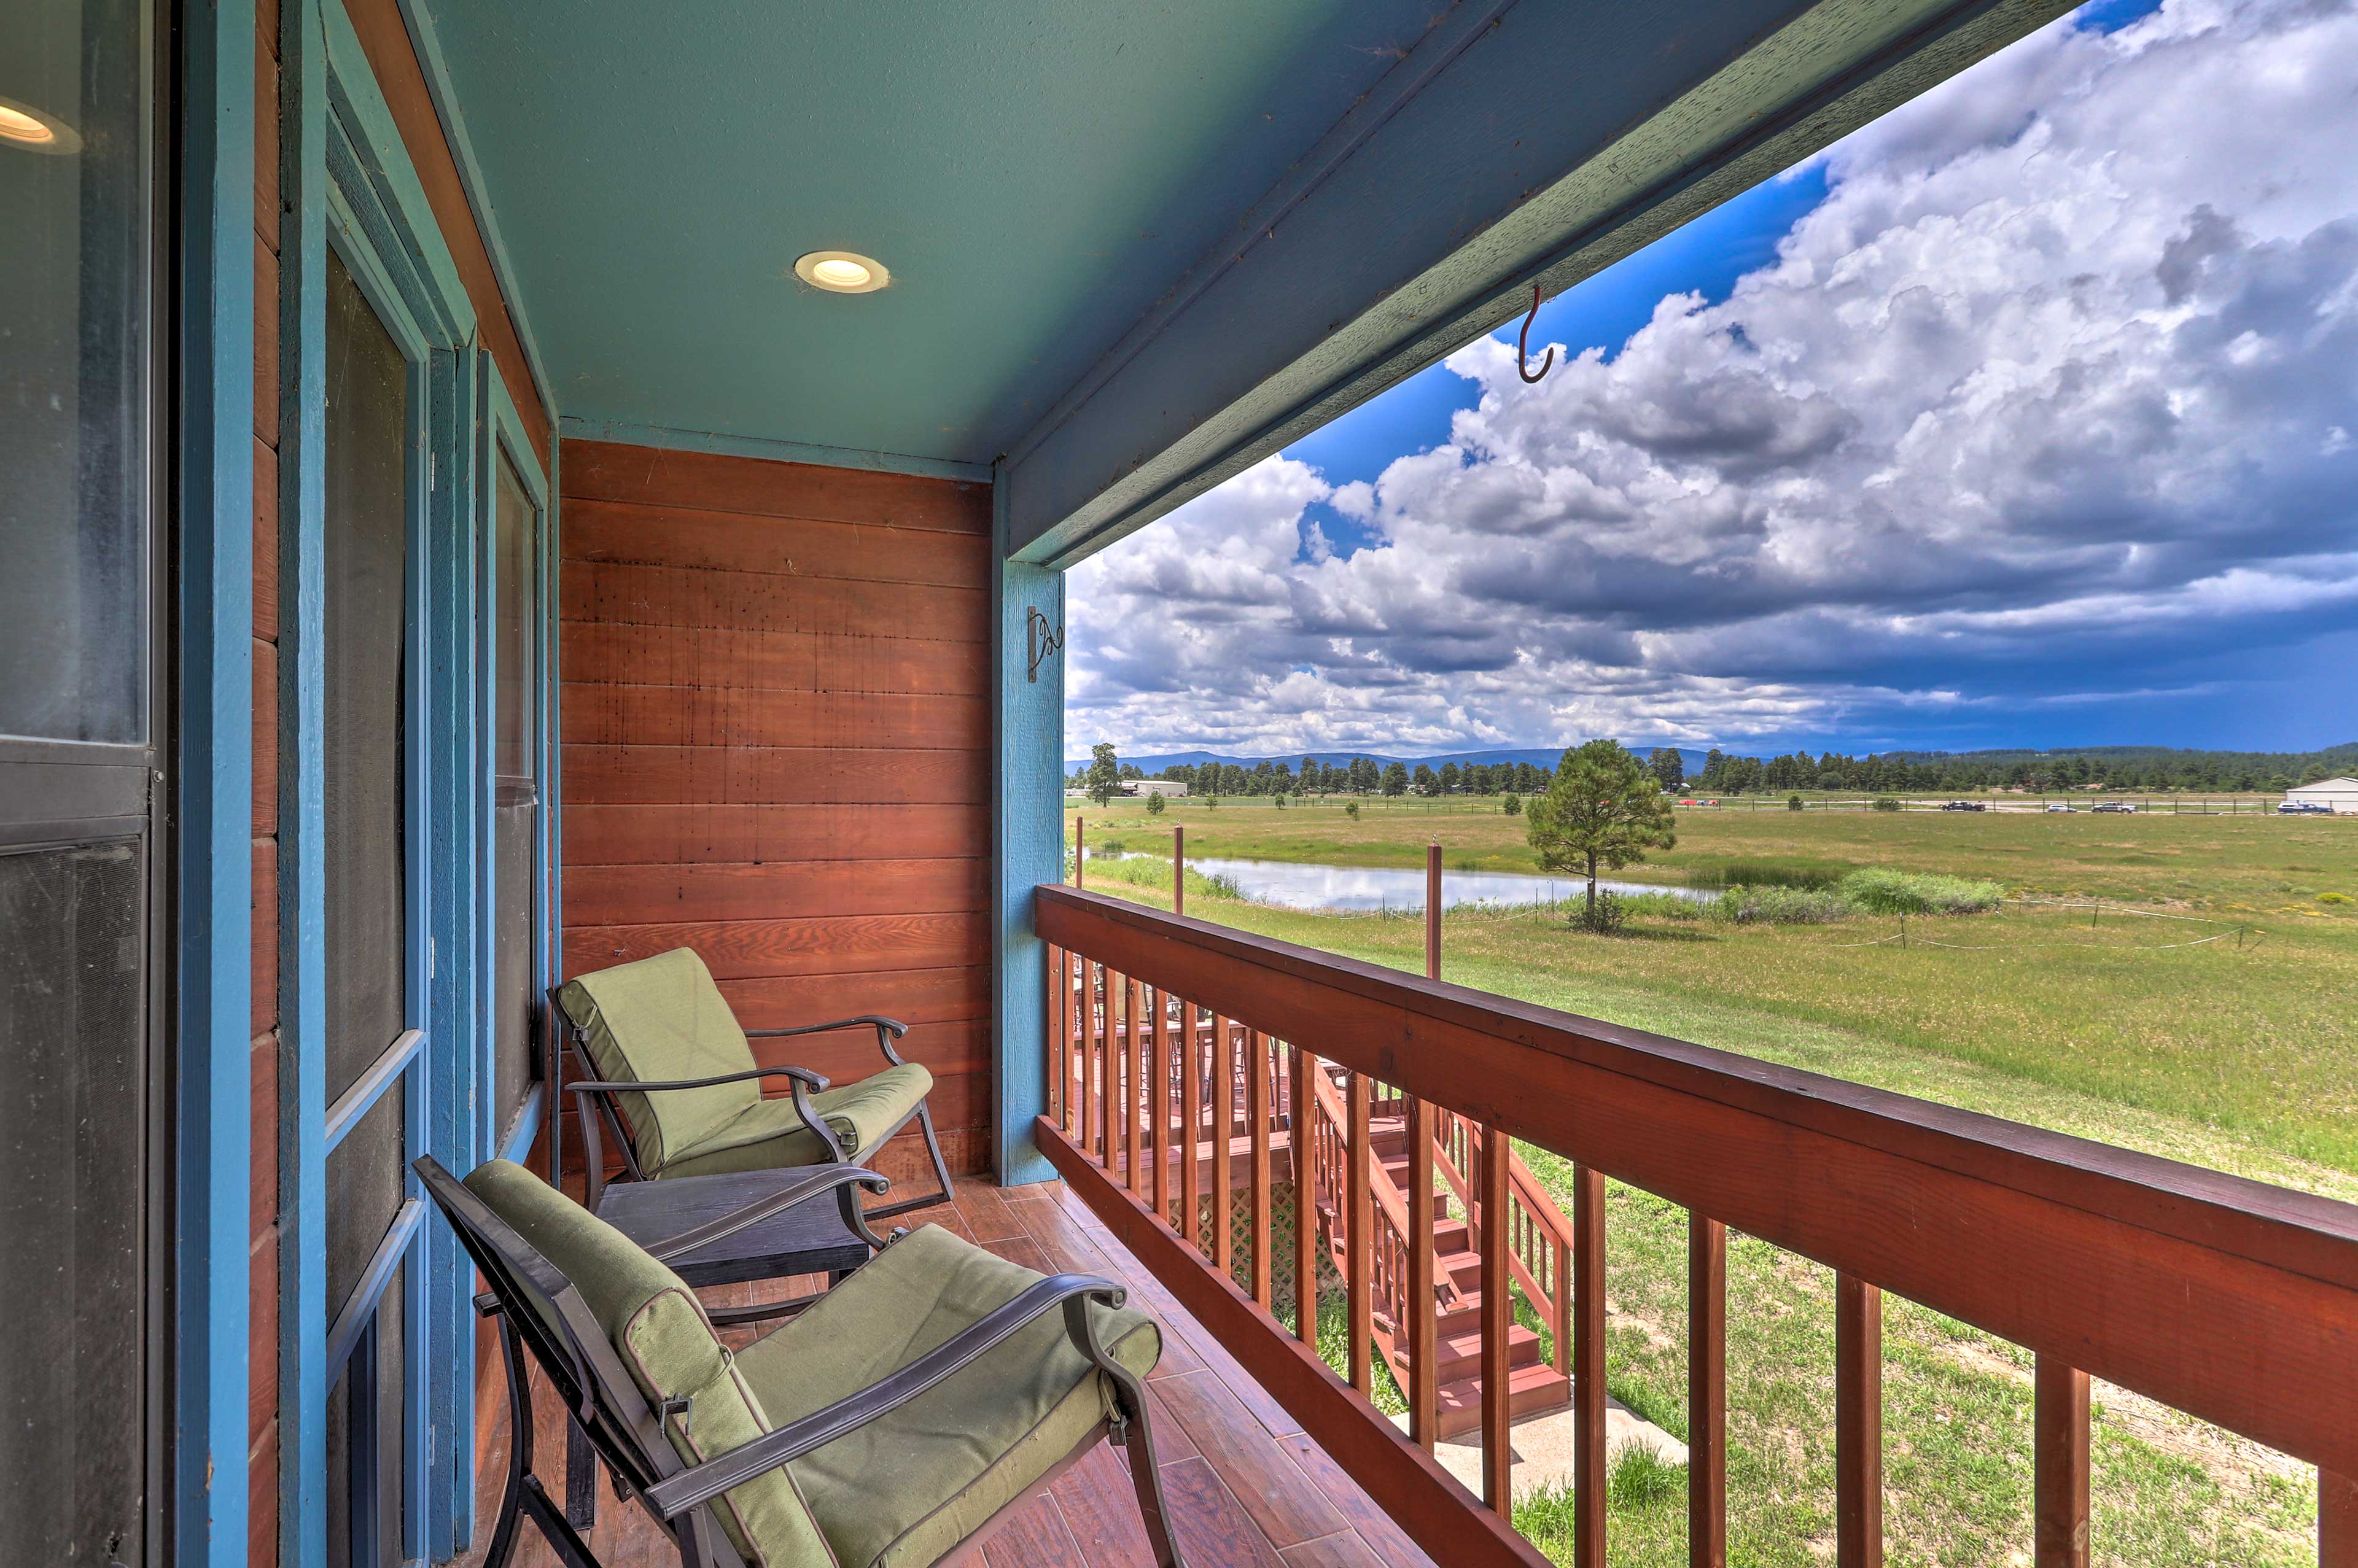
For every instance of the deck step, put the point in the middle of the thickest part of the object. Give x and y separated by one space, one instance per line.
1531 1390
1460 1344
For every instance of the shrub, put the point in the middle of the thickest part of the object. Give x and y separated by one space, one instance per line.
1661 905
1608 915
1154 804
1279 802
2334 898
1884 892
1795 803
1781 906
1512 806
1351 809
1886 803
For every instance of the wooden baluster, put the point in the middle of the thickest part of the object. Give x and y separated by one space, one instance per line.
1110 1076
1302 1140
1423 1330
1490 1219
2059 1444
1706 1392
1222 1088
1077 988
1257 1191
2336 1520
1560 1279
1191 1113
1052 1034
1358 1200
1588 1367
1858 1423
1133 1097
1158 1084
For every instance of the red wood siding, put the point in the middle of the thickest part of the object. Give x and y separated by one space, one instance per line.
775 724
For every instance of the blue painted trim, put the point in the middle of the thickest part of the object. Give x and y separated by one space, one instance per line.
355 1104
1027 847
520 1136
303 1376
212 923
390 1253
452 116
581 429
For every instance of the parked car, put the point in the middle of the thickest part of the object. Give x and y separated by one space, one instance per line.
2121 806
2060 806
1965 805
2302 808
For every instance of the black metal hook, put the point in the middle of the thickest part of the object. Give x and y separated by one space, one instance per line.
1523 349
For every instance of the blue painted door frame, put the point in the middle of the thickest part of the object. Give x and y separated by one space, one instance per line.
205 1522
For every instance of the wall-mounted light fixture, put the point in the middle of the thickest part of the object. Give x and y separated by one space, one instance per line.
842 272
27 129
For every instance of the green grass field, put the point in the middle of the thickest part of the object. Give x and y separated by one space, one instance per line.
2240 1059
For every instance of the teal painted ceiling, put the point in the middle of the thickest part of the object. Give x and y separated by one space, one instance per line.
1035 176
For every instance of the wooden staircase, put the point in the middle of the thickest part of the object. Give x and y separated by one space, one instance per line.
1540 1239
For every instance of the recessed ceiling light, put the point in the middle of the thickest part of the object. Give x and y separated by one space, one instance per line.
22 126
842 272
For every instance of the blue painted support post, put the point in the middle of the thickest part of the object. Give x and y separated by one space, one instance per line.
1027 843
213 974
303 1373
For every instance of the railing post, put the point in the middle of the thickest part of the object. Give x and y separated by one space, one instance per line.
1423 1329
1079 847
1588 1367
1302 1139
1257 1191
1498 1315
1858 1423
1357 1202
2336 1520
2059 1446
1706 1392
1178 870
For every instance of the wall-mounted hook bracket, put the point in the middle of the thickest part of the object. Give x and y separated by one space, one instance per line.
1041 637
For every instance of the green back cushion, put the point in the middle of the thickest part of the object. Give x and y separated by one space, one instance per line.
659 1330
662 1018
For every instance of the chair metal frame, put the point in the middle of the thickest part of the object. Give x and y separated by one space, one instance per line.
580 1364
801 1084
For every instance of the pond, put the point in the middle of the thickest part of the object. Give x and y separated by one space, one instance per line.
1291 885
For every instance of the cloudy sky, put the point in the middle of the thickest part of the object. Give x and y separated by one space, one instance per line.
2027 415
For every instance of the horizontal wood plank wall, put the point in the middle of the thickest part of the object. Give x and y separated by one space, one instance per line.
776 724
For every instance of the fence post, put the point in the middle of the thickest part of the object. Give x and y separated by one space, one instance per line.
1079 828
1178 871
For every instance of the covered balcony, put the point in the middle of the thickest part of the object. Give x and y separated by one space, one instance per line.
617 468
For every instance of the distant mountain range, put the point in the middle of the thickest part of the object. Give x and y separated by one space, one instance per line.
2334 759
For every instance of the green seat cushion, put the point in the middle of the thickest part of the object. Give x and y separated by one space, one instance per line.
660 1020
769 1135
659 1330
904 1489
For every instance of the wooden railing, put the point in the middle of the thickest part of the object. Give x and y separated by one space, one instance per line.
2228 1299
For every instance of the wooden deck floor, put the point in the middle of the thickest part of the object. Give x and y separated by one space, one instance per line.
1247 1488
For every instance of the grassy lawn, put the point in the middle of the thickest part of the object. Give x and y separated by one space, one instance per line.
2238 1060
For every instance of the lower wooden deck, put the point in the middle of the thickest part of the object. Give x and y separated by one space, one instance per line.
1247 1488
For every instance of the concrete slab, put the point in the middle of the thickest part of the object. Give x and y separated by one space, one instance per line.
1543 1447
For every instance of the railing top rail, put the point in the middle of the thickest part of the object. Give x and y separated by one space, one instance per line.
2278 1225
2228 1298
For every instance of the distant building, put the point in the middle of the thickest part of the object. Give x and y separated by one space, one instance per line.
1144 787
2338 796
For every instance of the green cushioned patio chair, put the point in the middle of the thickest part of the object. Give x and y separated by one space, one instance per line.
889 1425
667 1069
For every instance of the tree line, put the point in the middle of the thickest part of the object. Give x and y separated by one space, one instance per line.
1360 775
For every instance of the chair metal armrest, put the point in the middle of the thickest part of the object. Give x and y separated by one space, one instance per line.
700 1484
810 1181
887 1030
800 1074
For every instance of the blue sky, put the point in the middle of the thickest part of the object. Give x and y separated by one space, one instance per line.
2023 416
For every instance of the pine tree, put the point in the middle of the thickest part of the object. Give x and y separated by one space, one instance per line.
1603 807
